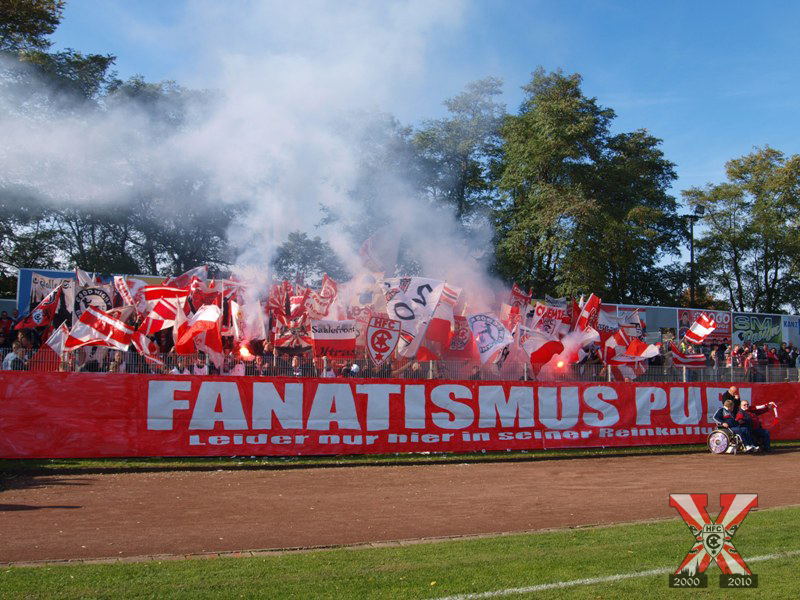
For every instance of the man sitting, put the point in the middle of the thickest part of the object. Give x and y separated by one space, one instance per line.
749 418
725 420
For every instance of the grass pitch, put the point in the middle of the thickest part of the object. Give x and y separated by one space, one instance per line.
442 569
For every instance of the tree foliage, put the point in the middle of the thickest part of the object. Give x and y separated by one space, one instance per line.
582 209
749 250
305 259
574 205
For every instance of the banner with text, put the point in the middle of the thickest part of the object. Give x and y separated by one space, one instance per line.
720 335
75 415
757 329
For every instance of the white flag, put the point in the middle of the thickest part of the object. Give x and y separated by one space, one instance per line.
489 333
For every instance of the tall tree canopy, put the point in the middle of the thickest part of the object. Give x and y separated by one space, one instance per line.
749 249
582 209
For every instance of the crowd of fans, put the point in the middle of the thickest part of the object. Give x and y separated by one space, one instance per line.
747 362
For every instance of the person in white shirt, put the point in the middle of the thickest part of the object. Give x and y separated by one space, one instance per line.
16 345
200 367
180 367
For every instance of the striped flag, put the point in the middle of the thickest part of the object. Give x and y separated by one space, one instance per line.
97 328
700 329
160 317
588 316
692 361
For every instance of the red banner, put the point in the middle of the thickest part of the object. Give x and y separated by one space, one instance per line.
62 415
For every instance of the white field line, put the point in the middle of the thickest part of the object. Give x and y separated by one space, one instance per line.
595 580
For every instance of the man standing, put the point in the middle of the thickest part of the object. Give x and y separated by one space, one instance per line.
733 395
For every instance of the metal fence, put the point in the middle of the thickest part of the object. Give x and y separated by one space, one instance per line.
104 360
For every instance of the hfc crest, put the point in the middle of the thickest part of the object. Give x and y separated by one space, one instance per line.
713 540
382 337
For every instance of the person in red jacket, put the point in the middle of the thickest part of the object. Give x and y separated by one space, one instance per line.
749 417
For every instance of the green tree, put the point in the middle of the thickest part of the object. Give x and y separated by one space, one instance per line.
303 258
457 151
749 249
26 24
581 209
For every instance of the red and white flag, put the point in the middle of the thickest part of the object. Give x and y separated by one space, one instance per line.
124 291
318 304
692 361
588 315
539 346
97 328
153 293
519 298
146 347
58 339
191 278
636 351
205 319
335 339
291 333
44 312
160 317
700 329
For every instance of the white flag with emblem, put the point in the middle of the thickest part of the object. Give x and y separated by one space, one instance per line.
412 300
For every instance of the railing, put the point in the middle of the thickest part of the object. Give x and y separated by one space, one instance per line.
104 360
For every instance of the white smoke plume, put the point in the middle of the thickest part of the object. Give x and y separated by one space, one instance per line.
294 90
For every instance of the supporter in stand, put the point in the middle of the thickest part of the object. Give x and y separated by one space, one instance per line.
327 369
67 362
181 367
296 370
232 366
18 360
749 417
253 368
24 338
724 419
200 367
6 323
115 362
164 341
5 342
11 355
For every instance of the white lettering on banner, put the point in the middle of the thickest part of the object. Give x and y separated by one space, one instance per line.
493 403
225 393
599 398
161 403
378 404
447 406
683 412
445 396
549 407
333 403
267 402
415 407
649 399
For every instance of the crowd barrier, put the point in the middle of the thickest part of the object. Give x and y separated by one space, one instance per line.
101 360
76 414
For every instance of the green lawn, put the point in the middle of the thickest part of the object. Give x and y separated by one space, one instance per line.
429 570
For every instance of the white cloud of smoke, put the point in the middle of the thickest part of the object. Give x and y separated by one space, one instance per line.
296 87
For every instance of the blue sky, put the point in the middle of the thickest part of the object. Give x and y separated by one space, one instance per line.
712 79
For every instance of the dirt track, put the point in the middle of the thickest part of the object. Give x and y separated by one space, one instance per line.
92 516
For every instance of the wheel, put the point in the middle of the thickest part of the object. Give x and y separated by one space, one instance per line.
719 441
